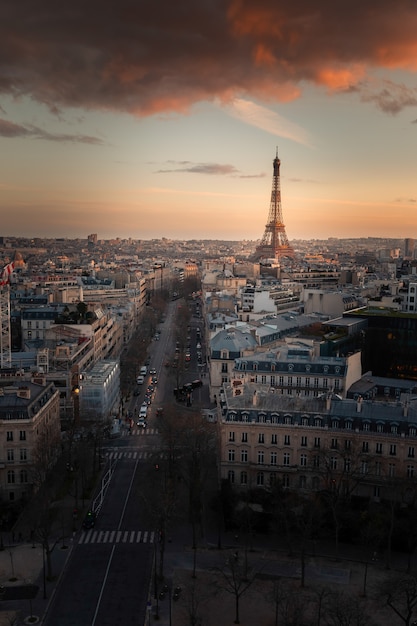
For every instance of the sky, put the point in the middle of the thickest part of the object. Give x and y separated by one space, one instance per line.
144 119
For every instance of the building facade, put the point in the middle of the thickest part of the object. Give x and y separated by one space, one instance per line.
29 435
362 447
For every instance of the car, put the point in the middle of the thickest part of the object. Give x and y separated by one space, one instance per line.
159 411
152 371
90 520
198 346
141 422
143 411
150 389
140 380
147 400
136 392
154 380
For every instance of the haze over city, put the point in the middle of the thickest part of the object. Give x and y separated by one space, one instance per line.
154 120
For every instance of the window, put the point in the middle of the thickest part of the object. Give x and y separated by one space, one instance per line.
378 467
378 448
334 444
10 477
347 465
379 428
304 442
365 446
244 437
23 476
303 482
348 425
274 439
243 478
391 470
333 462
260 479
303 460
410 471
364 467
9 435
286 458
286 481
244 456
393 449
231 436
316 461
260 457
394 429
23 454
317 442
10 456
348 444
261 438
286 440
22 435
365 426
377 491
411 452
231 456
231 476
224 368
273 458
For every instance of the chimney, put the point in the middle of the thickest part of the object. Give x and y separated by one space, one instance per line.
254 399
23 392
359 404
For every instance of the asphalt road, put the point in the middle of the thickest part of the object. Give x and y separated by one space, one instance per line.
108 577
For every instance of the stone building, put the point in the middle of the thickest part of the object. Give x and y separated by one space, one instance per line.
29 435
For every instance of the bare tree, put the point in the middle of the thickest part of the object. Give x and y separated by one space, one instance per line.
399 593
341 470
235 579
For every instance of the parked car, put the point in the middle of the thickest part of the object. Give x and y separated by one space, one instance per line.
152 371
141 422
140 380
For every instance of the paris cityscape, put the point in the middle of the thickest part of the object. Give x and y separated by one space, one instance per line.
208 307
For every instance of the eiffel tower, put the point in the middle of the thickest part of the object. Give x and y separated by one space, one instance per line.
274 243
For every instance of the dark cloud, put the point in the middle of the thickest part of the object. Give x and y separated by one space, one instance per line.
392 98
12 130
201 168
157 57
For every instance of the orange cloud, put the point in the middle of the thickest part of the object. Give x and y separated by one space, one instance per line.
147 58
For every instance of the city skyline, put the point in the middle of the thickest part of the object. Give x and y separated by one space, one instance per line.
164 120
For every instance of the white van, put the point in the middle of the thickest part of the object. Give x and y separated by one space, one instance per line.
143 370
140 380
143 411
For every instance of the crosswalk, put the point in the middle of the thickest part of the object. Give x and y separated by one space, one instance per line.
133 455
143 431
117 536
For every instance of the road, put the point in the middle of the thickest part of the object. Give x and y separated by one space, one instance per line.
108 577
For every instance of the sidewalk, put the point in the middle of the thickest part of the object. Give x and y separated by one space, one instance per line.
23 563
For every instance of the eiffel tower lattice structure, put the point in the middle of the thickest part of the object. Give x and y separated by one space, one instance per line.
274 243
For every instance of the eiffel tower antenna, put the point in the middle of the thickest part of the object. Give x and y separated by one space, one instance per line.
274 243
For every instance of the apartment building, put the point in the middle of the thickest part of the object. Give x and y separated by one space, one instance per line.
29 435
314 444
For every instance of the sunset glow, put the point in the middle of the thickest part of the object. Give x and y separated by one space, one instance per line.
163 121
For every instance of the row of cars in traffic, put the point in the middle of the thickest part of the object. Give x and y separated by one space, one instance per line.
152 379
